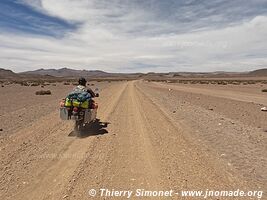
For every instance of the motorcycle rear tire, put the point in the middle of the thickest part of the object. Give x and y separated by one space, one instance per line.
78 128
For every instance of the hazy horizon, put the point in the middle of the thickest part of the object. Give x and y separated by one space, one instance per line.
136 71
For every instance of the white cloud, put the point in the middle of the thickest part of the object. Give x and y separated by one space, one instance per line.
117 37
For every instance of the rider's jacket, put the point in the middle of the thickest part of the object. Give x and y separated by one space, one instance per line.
83 88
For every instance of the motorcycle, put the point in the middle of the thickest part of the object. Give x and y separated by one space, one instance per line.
83 117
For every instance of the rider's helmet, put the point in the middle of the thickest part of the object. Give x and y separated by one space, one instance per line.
82 81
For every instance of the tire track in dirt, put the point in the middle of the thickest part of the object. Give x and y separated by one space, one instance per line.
133 152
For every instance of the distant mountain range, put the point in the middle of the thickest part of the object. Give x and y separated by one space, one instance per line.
66 72
73 73
258 72
7 74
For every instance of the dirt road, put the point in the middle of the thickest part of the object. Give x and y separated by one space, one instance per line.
145 145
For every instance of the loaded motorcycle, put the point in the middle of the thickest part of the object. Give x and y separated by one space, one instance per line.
83 113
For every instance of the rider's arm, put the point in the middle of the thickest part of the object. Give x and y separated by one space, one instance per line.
90 91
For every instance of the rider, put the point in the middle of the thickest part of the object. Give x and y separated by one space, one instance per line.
82 86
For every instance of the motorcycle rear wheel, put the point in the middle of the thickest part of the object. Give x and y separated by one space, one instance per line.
78 128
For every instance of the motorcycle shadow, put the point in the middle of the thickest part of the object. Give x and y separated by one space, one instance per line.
92 129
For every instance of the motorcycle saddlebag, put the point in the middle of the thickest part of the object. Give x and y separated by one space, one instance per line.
64 113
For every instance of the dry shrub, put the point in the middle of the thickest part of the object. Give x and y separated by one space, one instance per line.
43 92
24 84
66 83
203 82
236 83
35 84
193 82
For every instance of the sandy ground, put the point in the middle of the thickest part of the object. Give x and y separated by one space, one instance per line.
158 137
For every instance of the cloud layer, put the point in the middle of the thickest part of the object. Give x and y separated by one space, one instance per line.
135 35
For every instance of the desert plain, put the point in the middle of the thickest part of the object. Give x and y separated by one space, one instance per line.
156 135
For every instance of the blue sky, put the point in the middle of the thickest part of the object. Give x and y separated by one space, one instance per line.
133 35
21 18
